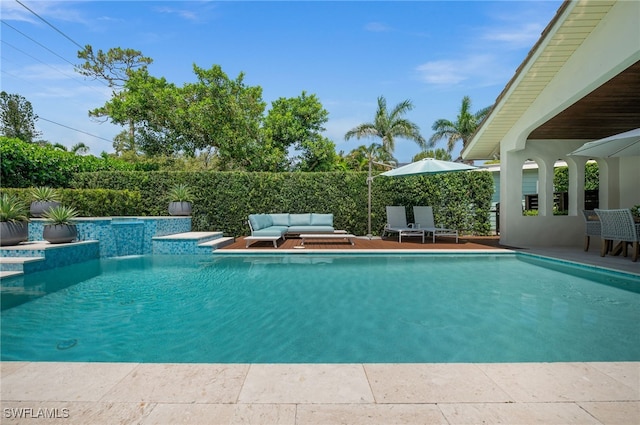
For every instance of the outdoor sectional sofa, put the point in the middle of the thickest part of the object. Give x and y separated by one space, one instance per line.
286 224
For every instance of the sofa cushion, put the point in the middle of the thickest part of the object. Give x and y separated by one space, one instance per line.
321 219
265 221
310 229
260 221
255 222
280 219
300 219
271 231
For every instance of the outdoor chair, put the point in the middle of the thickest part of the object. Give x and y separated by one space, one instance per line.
618 225
397 223
592 226
423 219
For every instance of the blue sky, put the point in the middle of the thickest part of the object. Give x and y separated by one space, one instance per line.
346 53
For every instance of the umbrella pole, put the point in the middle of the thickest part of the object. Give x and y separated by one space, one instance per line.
369 179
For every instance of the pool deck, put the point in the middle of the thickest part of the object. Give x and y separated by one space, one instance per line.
505 393
453 393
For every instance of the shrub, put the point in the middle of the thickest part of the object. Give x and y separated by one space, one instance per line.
30 164
91 202
223 200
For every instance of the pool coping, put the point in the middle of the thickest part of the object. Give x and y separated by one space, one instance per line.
296 394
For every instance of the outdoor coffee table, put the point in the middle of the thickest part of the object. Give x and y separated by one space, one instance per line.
250 239
337 235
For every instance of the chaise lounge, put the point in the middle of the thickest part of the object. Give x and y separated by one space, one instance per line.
423 217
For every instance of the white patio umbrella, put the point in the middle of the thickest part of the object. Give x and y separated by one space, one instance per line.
623 144
428 166
424 166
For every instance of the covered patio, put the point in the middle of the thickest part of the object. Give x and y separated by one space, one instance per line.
580 82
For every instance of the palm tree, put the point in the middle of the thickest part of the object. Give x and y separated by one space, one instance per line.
389 125
462 129
360 158
386 126
80 148
439 153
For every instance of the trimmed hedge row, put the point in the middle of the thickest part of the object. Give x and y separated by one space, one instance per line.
223 200
30 164
91 202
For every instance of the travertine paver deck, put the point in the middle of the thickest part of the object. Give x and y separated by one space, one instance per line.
511 393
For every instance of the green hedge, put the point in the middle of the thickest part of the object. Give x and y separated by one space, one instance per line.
30 164
223 200
92 202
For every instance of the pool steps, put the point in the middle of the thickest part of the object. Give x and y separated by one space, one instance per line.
190 243
33 256
14 266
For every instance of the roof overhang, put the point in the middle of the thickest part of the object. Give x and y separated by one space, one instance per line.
611 108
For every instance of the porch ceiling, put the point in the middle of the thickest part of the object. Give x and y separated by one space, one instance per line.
612 108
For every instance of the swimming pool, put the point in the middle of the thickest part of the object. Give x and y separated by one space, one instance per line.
325 309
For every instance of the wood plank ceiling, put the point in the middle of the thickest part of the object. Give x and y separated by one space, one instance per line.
612 108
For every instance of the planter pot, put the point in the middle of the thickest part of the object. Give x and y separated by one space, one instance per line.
39 207
60 233
12 233
180 208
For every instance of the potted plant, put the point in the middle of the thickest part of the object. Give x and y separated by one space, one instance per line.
180 197
14 224
44 198
60 227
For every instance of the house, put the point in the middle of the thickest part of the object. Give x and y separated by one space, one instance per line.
580 82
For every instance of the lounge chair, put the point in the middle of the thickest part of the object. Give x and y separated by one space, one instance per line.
397 223
591 226
423 219
618 225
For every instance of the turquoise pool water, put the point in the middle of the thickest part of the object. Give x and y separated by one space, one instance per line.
323 308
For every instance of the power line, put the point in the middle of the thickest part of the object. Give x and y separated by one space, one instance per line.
50 66
51 25
75 129
38 43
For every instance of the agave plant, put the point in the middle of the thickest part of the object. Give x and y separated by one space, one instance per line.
60 215
12 209
44 194
180 193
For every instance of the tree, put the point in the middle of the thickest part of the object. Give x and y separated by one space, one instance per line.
462 128
297 123
114 67
80 148
360 158
317 154
17 118
221 113
387 126
147 104
439 153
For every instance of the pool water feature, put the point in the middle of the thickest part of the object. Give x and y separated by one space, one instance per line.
129 236
330 309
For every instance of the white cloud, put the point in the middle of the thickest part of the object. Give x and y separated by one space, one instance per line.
520 37
481 70
58 10
377 27
183 13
